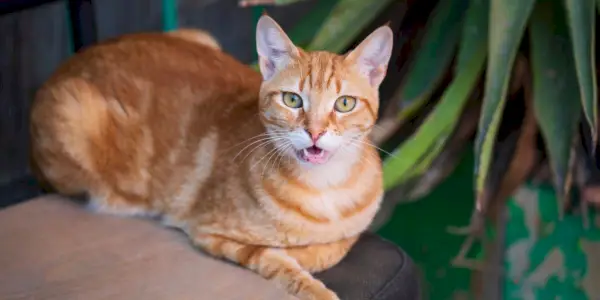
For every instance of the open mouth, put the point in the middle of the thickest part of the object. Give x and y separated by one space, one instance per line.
313 155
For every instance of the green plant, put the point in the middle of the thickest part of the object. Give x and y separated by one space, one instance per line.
553 44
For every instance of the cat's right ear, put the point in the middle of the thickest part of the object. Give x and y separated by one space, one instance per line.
274 47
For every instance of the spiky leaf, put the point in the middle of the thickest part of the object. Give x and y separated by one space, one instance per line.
507 25
433 56
474 31
514 161
581 19
555 87
246 3
428 140
347 19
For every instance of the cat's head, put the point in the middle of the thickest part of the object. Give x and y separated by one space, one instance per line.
316 104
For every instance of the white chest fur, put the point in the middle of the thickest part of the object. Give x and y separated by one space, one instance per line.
334 210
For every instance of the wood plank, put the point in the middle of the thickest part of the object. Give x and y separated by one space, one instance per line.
32 44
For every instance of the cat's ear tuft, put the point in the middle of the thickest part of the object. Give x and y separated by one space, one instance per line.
373 54
274 47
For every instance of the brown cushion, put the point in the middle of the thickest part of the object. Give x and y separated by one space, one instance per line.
53 249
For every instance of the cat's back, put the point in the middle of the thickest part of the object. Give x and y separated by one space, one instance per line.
165 61
131 111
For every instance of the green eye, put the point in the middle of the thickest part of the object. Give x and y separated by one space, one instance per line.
292 100
345 104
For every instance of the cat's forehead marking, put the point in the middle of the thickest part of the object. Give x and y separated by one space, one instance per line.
319 71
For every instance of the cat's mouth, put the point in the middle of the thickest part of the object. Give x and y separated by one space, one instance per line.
313 154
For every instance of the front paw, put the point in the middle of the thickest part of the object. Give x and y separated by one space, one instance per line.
317 292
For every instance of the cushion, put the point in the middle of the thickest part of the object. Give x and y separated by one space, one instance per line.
54 249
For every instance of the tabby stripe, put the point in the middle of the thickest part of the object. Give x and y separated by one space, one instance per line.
332 74
284 203
369 107
247 253
370 197
295 181
269 273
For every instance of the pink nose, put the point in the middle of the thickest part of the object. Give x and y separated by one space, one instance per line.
315 135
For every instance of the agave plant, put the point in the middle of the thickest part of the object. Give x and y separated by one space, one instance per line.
533 63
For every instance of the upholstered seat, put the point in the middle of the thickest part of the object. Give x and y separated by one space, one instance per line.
53 249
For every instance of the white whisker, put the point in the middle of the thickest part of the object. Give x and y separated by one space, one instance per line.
263 157
261 145
269 159
261 142
371 145
367 158
275 133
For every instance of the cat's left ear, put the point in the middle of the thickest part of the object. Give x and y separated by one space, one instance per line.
373 54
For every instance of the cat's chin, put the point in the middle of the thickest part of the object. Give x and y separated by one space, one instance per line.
313 155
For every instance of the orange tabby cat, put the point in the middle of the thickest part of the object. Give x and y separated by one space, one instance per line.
273 172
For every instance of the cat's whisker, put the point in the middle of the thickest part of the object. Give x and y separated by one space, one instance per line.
262 135
274 155
262 158
367 158
357 147
379 127
260 142
264 143
281 157
251 138
372 145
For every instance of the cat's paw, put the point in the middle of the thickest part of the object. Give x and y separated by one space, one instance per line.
318 292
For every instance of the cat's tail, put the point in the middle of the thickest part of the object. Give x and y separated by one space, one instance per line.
196 36
65 121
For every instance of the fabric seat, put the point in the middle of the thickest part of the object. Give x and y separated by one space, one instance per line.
53 249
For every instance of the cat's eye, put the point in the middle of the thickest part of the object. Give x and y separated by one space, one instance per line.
345 104
292 100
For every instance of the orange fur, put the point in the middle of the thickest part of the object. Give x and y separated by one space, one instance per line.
166 124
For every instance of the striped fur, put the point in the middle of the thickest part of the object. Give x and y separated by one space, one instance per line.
157 124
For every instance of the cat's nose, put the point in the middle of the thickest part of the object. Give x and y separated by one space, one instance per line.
315 134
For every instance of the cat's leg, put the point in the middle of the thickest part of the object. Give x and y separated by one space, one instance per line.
319 257
271 263
113 203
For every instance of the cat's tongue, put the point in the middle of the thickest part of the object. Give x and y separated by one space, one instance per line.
314 155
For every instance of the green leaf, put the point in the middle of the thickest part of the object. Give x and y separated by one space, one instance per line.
507 25
581 18
473 39
414 156
555 87
346 21
246 3
422 164
433 57
306 29
425 162
429 138
474 30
